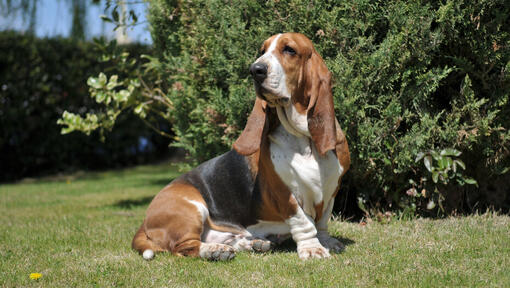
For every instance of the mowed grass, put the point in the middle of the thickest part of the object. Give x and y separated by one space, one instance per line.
76 231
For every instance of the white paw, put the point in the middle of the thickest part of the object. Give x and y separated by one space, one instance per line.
331 243
312 248
313 252
216 251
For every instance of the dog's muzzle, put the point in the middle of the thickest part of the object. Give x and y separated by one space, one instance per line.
259 71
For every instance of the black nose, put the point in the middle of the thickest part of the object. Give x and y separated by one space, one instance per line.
258 71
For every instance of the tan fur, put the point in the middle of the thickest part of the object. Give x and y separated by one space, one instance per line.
172 223
319 210
251 138
342 149
278 204
321 112
342 153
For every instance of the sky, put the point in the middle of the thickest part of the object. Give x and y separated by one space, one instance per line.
53 18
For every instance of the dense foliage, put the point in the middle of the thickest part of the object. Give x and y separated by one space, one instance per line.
411 78
39 79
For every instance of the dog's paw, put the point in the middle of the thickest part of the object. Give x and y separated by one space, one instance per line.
313 253
333 244
312 249
242 243
259 245
217 252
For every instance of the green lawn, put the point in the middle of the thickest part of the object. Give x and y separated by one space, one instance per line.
76 230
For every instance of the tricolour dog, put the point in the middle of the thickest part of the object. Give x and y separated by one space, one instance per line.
279 180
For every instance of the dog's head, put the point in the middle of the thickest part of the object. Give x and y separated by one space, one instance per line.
290 72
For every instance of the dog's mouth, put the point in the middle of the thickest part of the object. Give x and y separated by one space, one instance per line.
272 99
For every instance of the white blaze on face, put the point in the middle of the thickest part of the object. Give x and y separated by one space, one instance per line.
275 83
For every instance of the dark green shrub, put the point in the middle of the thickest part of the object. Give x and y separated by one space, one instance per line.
409 77
39 79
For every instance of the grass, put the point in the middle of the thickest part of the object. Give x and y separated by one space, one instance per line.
76 230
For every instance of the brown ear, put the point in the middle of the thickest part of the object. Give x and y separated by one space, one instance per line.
342 148
321 111
250 139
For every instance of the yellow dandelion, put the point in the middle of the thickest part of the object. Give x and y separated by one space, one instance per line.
35 276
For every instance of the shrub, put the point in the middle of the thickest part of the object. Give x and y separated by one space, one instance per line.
409 77
40 78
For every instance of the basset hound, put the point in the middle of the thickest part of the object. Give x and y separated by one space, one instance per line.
279 180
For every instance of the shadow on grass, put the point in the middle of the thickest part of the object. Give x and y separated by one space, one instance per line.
290 246
133 203
161 182
144 201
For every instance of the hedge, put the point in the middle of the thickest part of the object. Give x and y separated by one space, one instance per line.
39 79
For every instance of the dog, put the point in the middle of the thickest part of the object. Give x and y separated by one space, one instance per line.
279 180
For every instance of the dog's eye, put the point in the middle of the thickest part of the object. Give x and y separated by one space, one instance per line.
262 52
289 50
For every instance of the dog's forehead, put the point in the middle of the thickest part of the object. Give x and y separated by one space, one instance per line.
296 39
268 41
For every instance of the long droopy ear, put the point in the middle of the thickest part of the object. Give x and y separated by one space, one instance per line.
251 138
320 111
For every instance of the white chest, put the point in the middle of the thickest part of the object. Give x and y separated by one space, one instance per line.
312 179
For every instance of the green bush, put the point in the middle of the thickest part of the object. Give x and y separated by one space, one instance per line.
409 77
39 79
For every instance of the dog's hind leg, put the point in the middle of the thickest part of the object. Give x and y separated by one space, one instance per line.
175 222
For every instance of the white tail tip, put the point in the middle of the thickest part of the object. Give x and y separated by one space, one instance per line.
148 254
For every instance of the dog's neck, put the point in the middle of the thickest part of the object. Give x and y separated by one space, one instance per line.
294 122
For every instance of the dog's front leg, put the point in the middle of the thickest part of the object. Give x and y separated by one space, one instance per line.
322 226
303 232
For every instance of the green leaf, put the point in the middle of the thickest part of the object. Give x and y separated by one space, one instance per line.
449 162
503 171
115 15
471 181
435 155
140 110
122 96
465 89
66 130
102 79
100 96
427 161
445 163
135 82
133 16
105 18
460 163
450 152
94 83
441 163
435 176
419 156
112 83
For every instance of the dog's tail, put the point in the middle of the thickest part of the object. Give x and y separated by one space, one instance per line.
144 245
